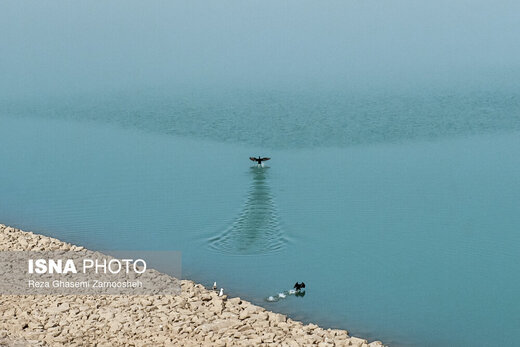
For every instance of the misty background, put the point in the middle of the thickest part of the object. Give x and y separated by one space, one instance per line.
57 47
276 74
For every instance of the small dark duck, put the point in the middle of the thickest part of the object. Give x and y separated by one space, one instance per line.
299 286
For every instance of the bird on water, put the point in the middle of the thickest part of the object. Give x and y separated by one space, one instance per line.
299 286
259 160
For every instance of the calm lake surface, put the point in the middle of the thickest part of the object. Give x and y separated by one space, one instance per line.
400 213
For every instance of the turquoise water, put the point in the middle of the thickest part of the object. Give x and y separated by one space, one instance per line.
400 213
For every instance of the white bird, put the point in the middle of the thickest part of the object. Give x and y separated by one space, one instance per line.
215 286
281 295
221 292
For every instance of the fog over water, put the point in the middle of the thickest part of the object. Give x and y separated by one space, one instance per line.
343 72
62 47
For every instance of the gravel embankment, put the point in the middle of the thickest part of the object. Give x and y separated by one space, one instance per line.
196 317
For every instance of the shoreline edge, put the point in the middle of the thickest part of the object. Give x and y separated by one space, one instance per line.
196 317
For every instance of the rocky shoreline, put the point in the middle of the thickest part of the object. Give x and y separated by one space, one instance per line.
196 317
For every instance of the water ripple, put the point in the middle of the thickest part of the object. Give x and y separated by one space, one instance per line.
256 230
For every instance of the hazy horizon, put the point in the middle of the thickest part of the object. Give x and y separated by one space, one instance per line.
56 48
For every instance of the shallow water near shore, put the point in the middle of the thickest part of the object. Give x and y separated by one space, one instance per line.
411 243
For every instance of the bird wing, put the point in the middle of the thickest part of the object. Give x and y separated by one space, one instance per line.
303 285
295 285
265 159
252 158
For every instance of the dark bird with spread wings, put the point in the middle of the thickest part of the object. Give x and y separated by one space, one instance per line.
299 286
259 160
